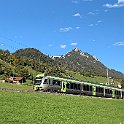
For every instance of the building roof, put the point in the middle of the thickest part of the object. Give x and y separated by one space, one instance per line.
16 78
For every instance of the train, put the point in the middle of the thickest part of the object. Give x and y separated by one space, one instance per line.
50 83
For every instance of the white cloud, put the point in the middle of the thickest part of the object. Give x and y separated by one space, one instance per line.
95 12
119 4
1 44
50 45
91 13
99 21
87 0
63 46
77 27
118 44
106 10
74 44
91 25
120 1
77 15
65 29
93 40
75 1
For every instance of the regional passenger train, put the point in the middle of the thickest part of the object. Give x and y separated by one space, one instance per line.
56 84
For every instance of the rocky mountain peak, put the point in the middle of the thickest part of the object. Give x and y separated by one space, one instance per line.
76 50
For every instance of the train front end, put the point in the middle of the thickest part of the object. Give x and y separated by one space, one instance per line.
38 82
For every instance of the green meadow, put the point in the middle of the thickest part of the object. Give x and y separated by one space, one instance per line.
42 108
15 86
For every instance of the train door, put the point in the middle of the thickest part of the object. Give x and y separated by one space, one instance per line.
123 95
94 91
113 93
63 86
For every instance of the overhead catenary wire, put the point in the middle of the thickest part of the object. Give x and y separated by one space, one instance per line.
10 44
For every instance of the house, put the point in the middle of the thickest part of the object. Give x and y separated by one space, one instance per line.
16 80
2 81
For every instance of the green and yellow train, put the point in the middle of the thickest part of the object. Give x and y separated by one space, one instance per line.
56 84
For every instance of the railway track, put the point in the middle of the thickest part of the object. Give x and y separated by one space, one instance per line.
41 92
26 91
15 90
32 91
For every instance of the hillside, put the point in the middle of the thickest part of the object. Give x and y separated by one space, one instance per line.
34 54
86 64
75 64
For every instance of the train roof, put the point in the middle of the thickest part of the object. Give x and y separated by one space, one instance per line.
40 75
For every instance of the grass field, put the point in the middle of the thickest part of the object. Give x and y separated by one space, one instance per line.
37 108
15 86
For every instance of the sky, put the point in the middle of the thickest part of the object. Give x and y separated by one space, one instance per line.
55 27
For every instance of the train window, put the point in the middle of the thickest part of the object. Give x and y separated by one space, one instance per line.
91 88
75 86
56 82
102 90
78 86
87 87
49 81
84 87
123 94
59 83
72 85
68 85
108 91
117 92
99 89
45 81
37 82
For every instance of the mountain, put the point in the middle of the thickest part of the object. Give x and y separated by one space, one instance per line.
32 53
36 60
24 62
86 64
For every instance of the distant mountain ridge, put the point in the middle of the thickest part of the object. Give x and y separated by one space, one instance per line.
86 64
75 60
32 53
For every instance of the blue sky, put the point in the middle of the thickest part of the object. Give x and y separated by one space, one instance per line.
55 27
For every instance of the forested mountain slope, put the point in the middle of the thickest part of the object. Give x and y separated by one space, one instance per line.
86 64
76 61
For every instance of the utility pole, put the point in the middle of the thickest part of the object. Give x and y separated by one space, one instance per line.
107 72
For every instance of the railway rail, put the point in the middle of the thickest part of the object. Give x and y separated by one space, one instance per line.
15 90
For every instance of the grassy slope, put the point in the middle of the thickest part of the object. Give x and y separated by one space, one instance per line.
29 108
99 79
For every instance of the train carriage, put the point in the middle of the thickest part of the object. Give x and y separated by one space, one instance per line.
118 93
73 86
56 84
87 88
100 91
